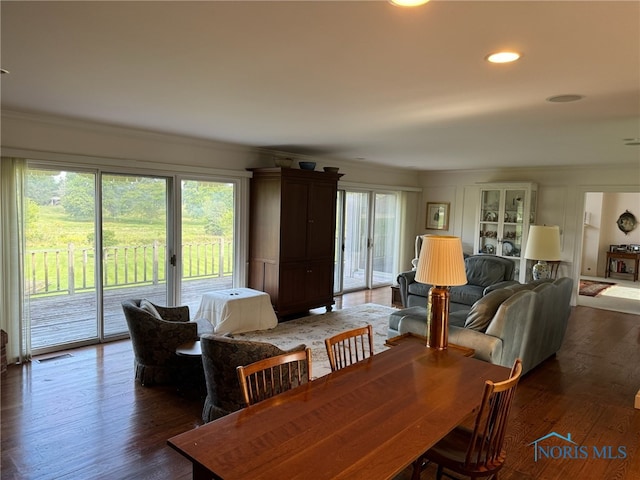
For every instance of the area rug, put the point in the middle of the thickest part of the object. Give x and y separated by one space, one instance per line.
591 288
312 331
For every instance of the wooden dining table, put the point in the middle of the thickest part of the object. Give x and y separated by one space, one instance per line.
367 421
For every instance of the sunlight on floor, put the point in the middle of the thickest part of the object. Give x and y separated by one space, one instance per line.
624 296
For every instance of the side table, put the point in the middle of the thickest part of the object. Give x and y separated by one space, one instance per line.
635 257
396 299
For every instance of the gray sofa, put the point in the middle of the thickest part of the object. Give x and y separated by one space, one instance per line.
484 274
526 321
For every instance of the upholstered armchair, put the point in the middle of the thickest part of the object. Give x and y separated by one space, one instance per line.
220 357
155 333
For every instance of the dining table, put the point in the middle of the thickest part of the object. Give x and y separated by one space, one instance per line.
370 420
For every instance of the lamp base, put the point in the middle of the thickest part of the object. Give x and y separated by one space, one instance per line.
541 270
438 318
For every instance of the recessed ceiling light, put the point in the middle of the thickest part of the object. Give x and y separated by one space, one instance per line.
503 57
408 3
565 98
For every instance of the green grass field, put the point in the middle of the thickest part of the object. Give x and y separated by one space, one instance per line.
55 242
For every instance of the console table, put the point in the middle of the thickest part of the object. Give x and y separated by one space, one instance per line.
623 256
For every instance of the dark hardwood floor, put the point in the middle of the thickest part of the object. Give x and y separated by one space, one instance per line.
79 415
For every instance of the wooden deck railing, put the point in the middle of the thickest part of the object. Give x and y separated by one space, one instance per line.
72 270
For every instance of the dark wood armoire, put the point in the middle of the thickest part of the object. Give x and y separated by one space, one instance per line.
292 237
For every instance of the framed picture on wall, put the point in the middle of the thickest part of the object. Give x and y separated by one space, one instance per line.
437 216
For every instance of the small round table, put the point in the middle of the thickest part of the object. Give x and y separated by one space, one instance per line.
189 349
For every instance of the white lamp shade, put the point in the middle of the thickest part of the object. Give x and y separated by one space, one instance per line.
543 243
441 261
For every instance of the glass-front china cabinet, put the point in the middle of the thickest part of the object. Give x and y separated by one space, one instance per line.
504 215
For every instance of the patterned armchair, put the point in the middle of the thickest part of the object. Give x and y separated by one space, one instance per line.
155 333
220 357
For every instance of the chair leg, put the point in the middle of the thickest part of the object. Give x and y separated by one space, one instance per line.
417 469
439 473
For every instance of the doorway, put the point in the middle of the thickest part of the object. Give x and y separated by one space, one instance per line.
601 209
367 234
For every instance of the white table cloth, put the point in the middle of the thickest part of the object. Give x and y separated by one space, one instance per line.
237 310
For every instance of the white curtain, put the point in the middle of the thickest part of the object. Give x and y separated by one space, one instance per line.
13 317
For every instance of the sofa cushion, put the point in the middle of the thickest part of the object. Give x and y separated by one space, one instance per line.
466 294
484 271
395 317
420 289
483 311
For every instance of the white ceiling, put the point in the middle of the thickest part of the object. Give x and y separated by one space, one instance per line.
353 80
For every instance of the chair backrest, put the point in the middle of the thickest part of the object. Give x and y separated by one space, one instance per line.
349 347
265 378
485 448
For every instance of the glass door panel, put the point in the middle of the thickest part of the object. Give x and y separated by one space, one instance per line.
356 240
513 223
340 241
207 232
134 244
385 239
60 260
489 216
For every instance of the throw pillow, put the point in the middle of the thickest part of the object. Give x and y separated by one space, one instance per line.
483 311
149 307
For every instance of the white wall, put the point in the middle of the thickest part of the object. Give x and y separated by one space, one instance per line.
88 142
591 234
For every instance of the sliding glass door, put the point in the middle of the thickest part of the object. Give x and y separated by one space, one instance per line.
207 232
95 238
368 223
134 244
60 257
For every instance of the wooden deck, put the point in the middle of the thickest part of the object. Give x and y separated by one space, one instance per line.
70 319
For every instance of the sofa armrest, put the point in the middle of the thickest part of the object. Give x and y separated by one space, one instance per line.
487 347
496 286
404 279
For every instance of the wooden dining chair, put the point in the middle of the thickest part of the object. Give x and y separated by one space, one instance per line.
349 347
265 378
478 452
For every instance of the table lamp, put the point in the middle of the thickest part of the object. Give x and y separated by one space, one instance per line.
543 245
441 264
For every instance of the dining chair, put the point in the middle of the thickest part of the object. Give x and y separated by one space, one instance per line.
346 348
478 452
265 378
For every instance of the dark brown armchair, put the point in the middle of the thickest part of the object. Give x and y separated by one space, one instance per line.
221 355
155 333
